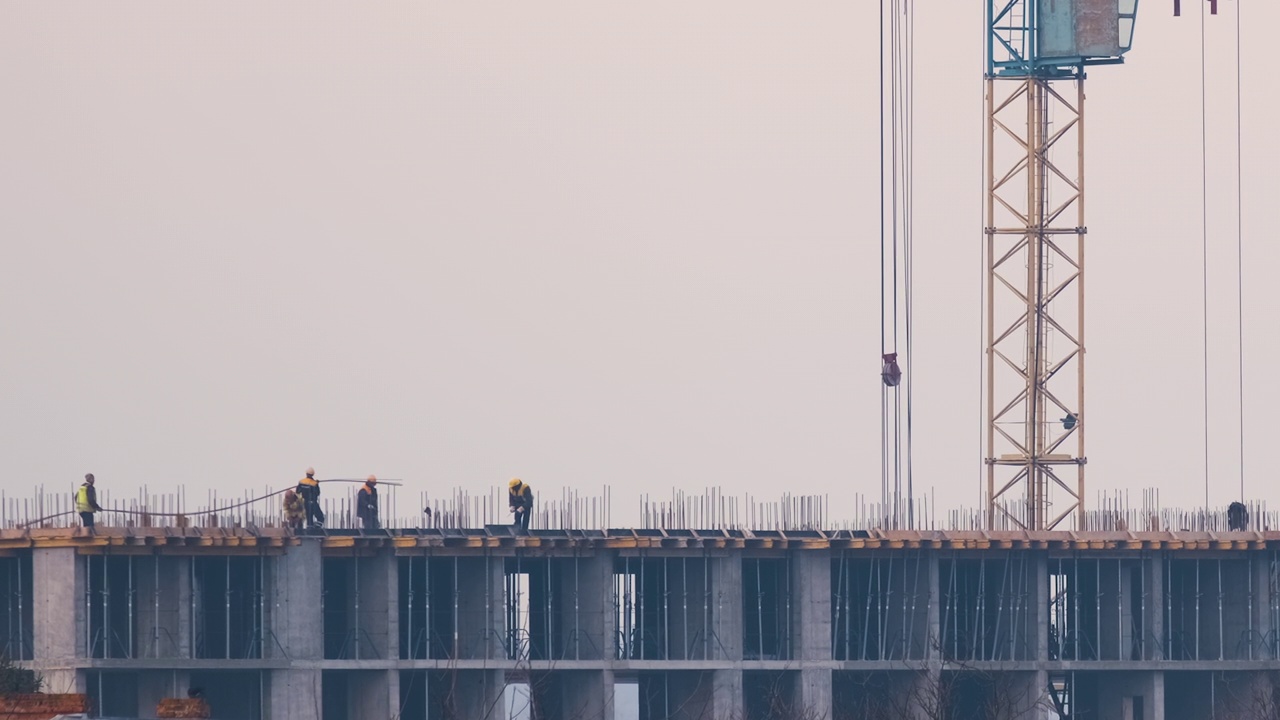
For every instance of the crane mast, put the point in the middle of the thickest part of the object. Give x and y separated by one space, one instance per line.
1037 53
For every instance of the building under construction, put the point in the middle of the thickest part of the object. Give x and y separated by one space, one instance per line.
429 623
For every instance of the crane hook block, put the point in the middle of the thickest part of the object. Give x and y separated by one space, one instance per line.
890 372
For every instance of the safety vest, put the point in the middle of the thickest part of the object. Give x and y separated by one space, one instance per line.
82 500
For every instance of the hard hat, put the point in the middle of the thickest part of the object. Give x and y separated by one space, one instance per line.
515 483
372 480
311 471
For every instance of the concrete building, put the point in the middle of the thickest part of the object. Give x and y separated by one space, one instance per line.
430 624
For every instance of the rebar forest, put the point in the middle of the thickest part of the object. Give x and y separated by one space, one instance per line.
719 608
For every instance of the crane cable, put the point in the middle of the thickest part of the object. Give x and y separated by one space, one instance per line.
1204 248
895 230
210 511
1240 247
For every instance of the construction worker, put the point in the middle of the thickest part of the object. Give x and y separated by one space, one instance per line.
309 489
367 504
295 510
87 501
520 500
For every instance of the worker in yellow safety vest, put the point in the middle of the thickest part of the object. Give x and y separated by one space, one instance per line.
87 501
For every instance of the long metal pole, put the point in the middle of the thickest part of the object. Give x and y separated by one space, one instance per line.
130 608
409 640
155 607
1081 425
22 632
106 609
355 562
991 306
227 600
666 610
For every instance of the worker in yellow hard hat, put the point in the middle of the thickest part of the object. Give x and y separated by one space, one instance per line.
367 503
309 489
520 500
87 501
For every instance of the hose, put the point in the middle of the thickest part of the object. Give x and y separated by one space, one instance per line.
211 511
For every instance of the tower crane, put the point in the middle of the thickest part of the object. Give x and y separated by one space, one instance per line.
1038 52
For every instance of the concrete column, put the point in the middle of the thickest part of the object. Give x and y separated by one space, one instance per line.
481 624
155 685
934 611
919 693
1153 636
297 623
58 618
726 591
726 694
295 695
1028 696
373 694
811 584
1038 614
576 694
1118 693
585 616
478 694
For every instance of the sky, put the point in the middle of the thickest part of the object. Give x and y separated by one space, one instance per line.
590 244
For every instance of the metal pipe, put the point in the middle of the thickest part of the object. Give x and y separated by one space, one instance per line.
785 650
227 611
22 632
550 637
1167 590
684 608
1249 572
106 609
577 608
759 612
666 614
259 635
457 601
155 607
640 628
1075 606
355 562
1218 562
1097 609
191 613
1000 604
1197 643
409 612
426 602
130 608
706 607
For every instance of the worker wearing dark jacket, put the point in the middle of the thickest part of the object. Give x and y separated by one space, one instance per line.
309 489
87 501
367 504
520 500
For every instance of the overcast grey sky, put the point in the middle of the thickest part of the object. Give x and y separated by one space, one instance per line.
582 243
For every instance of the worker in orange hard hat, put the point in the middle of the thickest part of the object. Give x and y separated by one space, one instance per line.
520 500
309 489
367 503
